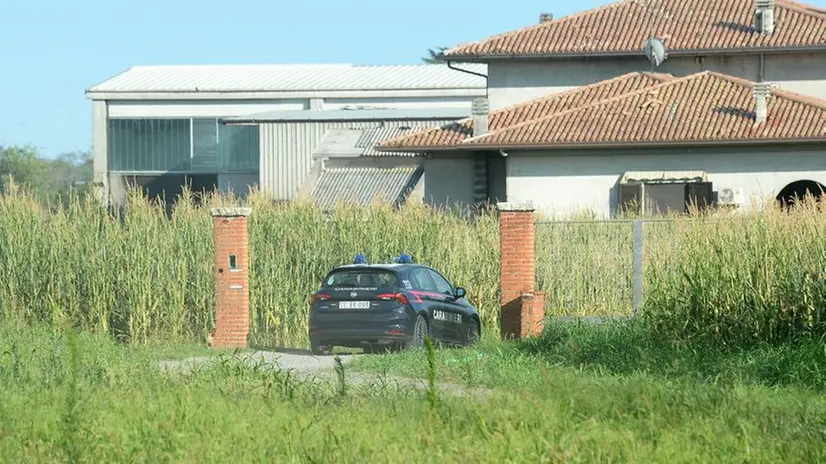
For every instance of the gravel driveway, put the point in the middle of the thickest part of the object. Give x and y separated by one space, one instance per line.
309 367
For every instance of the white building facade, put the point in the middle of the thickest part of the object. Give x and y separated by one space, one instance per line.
550 145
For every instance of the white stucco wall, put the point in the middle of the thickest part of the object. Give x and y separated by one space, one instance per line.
448 180
511 82
565 183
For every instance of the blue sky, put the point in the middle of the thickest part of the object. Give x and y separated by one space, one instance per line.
52 51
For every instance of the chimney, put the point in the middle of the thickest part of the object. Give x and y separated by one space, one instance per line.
764 16
480 116
762 92
545 17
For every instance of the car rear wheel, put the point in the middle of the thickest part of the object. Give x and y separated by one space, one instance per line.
420 331
472 333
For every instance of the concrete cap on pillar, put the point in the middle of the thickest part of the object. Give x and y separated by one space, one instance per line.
231 211
516 206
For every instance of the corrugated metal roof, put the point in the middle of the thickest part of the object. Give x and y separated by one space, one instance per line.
364 185
370 138
355 114
361 142
340 142
290 77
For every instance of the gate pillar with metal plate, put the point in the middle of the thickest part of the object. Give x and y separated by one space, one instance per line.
232 306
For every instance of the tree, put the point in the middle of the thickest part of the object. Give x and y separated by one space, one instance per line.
432 54
22 166
47 178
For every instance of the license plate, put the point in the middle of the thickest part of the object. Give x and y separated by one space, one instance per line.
354 305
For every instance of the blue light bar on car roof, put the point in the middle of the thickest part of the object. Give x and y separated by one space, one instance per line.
404 259
360 259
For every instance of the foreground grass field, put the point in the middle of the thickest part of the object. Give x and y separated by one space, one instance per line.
577 395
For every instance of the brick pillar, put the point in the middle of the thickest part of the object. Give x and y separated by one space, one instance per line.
520 305
232 302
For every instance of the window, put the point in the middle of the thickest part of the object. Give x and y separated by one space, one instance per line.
149 145
361 278
442 285
421 281
205 144
182 145
657 198
238 148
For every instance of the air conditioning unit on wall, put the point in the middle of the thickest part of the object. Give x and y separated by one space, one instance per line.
730 197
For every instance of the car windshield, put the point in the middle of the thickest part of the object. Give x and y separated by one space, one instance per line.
361 278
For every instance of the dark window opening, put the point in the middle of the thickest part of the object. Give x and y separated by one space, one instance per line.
357 278
663 198
798 191
167 188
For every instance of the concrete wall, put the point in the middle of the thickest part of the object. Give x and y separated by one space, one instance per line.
561 183
448 180
511 82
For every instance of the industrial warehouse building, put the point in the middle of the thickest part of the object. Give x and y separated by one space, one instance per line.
287 130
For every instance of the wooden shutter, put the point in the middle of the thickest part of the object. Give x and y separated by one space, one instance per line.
630 198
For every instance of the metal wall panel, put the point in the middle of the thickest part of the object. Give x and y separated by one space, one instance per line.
287 150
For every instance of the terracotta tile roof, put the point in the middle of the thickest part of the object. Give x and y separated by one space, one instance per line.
454 134
623 27
701 108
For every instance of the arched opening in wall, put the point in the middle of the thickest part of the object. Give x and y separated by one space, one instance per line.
797 192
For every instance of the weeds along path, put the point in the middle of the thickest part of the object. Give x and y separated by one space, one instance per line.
308 367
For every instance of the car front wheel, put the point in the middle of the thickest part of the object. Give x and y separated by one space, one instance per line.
472 334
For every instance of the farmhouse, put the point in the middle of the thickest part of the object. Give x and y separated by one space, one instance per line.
285 129
578 119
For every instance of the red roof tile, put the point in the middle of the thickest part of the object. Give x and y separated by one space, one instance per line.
701 108
454 134
685 25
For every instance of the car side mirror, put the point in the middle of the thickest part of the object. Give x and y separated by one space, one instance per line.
460 292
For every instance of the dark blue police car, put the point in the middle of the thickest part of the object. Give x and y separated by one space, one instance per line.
396 305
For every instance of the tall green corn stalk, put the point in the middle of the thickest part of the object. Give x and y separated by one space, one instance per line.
757 278
143 276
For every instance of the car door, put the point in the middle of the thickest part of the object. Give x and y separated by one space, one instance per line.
454 315
425 289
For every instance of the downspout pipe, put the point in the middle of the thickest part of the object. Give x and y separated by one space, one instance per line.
450 65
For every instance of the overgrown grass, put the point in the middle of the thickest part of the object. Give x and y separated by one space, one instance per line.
144 277
621 349
117 406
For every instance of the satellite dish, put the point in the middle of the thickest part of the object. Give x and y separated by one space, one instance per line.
655 51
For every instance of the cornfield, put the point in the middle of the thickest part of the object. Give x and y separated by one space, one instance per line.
147 275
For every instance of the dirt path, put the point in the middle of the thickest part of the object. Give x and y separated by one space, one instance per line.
309 367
